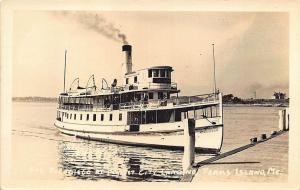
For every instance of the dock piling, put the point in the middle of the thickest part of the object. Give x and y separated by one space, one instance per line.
281 120
189 144
284 120
287 119
253 140
263 137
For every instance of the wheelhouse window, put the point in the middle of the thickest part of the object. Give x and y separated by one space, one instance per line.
120 117
94 117
168 74
149 73
135 79
102 117
75 116
87 117
162 73
110 117
155 72
80 116
70 116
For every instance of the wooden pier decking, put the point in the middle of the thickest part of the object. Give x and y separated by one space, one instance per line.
264 161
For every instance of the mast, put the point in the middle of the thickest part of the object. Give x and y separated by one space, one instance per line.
65 68
215 85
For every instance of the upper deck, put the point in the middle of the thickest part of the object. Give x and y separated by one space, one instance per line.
185 103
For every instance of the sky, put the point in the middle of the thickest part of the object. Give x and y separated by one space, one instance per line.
251 49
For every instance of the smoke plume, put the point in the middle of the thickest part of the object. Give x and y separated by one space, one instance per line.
255 86
267 90
98 23
272 87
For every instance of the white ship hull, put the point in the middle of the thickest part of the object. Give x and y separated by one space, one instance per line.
208 136
140 111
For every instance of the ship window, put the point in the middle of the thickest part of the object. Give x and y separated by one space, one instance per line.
74 116
80 116
87 117
120 117
150 95
70 116
94 117
162 80
110 117
168 95
162 73
177 115
127 80
102 117
168 74
135 79
155 72
160 95
149 73
67 116
138 97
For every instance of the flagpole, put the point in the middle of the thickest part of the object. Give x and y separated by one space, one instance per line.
215 85
65 71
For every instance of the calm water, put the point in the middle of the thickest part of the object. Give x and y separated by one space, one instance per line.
39 151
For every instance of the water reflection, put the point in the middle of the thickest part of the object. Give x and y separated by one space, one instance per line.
39 144
95 161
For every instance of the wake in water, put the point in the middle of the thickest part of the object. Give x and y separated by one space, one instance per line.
91 160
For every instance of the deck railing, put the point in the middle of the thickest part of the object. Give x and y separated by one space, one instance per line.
172 85
172 102
203 98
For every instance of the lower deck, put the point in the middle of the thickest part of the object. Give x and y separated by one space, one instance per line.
137 121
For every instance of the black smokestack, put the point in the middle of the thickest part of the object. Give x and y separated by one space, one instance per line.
128 60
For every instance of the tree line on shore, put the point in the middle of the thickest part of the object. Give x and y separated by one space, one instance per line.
231 99
227 99
34 99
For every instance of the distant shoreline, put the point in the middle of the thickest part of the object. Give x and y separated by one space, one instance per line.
263 103
255 105
34 99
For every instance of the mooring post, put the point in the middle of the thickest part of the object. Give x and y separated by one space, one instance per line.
221 106
282 118
287 119
189 144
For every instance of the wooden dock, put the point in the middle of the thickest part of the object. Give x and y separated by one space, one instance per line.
264 161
